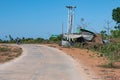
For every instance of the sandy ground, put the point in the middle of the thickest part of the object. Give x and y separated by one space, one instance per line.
91 63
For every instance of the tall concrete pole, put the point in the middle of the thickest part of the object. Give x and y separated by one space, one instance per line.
70 27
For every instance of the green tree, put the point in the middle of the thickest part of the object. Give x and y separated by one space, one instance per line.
1 41
55 38
103 34
11 39
116 14
115 33
39 40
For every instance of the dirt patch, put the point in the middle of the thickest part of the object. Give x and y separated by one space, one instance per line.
97 39
8 52
92 61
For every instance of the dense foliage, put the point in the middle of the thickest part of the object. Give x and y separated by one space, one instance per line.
116 14
115 33
111 51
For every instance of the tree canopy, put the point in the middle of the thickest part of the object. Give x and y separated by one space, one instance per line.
116 14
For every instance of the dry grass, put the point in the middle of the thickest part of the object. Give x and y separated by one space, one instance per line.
9 52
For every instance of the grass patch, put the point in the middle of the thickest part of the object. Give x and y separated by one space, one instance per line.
4 48
111 51
109 65
9 52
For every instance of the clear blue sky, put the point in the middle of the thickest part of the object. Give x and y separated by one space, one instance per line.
41 18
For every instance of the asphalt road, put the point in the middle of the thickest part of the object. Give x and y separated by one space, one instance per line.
40 62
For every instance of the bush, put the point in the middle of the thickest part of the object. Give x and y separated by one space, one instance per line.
111 51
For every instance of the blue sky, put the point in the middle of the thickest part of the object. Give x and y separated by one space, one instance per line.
42 18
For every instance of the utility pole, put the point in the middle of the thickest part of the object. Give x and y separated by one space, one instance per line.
70 23
62 28
70 28
62 31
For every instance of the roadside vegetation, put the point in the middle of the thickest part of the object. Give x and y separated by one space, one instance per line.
111 51
52 39
24 40
8 52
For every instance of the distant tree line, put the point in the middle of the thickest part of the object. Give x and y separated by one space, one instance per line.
24 40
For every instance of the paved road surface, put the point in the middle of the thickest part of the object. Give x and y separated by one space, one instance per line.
39 62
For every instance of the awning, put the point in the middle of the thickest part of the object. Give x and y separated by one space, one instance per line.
75 36
72 36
